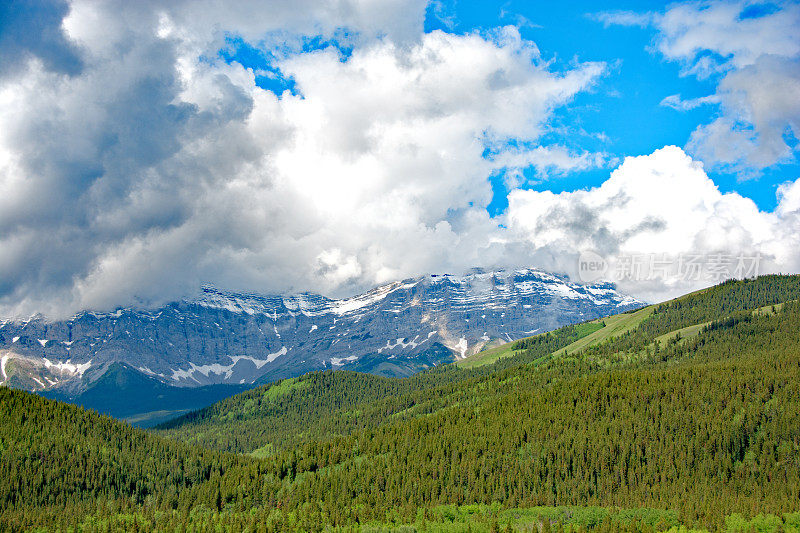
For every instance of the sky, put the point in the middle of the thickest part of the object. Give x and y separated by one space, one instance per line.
147 148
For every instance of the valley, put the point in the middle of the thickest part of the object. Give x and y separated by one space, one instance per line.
626 423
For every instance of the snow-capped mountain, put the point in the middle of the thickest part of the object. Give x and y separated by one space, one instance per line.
233 338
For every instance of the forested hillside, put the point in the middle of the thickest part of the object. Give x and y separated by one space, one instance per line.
646 430
320 403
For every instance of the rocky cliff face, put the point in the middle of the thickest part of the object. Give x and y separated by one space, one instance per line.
222 337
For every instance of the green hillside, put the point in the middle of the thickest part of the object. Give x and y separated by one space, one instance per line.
585 334
60 463
713 303
685 413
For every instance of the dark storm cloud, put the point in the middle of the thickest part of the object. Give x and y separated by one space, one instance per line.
32 28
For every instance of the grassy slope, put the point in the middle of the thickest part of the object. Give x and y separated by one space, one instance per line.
614 325
598 331
684 333
487 357
594 332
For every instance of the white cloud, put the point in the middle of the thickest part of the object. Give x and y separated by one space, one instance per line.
760 104
759 59
789 199
159 166
676 102
548 161
690 30
663 203
623 18
154 166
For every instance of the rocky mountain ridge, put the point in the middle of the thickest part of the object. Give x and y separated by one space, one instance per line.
220 337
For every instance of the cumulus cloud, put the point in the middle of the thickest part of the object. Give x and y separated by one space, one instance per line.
753 50
136 163
158 166
32 29
660 206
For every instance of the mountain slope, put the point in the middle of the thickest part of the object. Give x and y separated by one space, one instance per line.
691 311
220 337
664 424
130 395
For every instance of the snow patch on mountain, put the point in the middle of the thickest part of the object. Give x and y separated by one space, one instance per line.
462 347
215 368
259 362
401 343
3 363
67 367
219 369
339 361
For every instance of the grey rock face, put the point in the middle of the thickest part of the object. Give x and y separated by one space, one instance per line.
222 337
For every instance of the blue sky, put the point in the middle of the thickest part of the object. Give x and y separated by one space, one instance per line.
625 105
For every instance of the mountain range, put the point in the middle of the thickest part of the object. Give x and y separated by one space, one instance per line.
240 339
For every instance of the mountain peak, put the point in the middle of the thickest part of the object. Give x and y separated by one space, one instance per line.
221 336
